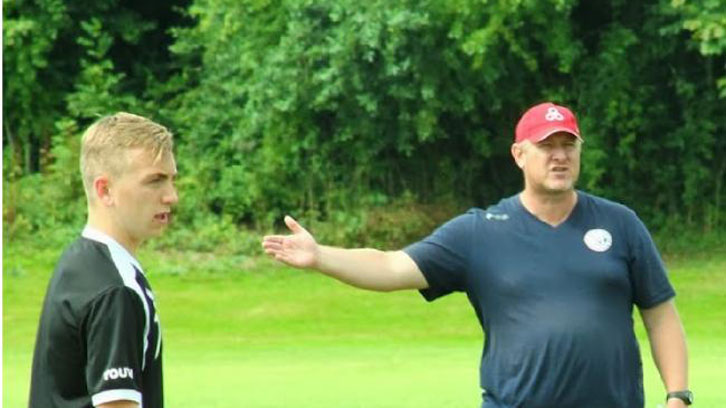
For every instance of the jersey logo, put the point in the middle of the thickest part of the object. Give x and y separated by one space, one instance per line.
599 240
115 373
496 217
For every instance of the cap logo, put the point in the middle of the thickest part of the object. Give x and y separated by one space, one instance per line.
553 114
598 240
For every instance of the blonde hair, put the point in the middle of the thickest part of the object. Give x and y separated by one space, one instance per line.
104 144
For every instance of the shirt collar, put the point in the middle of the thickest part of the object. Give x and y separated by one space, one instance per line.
96 235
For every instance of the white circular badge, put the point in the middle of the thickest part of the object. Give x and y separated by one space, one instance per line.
599 240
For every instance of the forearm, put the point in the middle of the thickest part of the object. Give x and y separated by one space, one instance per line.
370 269
669 352
668 346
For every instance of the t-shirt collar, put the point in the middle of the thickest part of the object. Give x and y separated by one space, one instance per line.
519 206
96 235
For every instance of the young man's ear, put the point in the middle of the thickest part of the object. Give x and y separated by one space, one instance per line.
101 188
517 150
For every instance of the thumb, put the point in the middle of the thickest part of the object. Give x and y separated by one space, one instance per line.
293 225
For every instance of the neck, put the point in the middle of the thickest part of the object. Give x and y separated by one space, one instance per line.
551 208
105 224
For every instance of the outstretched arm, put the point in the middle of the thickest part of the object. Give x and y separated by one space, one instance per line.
668 347
363 268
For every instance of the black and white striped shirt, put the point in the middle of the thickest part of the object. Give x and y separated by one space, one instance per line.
99 338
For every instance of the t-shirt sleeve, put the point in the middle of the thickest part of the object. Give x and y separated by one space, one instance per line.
647 271
114 332
443 256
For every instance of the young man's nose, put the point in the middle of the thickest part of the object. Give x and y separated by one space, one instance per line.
171 197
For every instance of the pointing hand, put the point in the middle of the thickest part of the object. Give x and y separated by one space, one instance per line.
298 249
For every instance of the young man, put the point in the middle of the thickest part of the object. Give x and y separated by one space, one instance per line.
99 339
552 273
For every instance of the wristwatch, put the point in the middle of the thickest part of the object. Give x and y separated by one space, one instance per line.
686 396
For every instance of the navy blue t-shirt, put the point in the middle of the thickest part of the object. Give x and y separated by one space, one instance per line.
555 303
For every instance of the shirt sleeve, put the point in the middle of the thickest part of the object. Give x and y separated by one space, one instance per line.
647 272
114 333
443 256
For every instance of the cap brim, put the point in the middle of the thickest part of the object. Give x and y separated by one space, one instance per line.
552 131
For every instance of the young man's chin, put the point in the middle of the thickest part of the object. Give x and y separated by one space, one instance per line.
154 232
158 231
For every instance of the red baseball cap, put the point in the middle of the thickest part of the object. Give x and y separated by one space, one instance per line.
544 120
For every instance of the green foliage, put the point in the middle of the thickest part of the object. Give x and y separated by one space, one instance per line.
77 60
352 115
652 128
97 90
387 226
31 91
208 233
336 103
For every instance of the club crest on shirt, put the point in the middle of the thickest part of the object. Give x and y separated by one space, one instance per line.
598 240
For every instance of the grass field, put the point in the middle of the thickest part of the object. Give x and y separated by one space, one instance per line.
244 332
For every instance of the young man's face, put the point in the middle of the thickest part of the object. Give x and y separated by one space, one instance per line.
550 166
143 195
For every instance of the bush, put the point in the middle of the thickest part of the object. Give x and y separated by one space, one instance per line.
208 233
388 226
39 208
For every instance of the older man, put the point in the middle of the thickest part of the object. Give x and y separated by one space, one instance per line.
552 273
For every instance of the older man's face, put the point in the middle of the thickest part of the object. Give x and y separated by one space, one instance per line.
550 166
